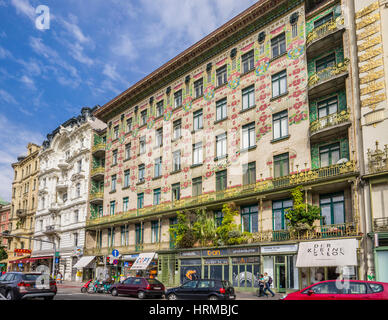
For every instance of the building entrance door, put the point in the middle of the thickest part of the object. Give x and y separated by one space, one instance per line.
280 280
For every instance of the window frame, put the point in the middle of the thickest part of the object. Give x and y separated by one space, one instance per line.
276 80
250 93
278 42
221 73
198 84
249 130
221 180
281 159
249 59
281 117
222 106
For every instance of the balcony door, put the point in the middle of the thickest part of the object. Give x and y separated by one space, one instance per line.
332 208
329 155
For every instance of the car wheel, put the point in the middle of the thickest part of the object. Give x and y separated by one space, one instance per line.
114 292
213 297
141 295
172 296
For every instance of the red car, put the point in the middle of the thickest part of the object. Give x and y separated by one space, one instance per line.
342 290
140 287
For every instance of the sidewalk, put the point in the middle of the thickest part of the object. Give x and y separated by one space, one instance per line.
70 284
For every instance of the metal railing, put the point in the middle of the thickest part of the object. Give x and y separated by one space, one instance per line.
380 224
96 195
330 72
324 30
97 170
99 147
329 121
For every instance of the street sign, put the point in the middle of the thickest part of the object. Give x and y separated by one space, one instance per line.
115 253
115 261
57 254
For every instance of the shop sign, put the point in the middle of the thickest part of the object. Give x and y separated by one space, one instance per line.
278 249
243 250
214 252
190 262
24 251
217 261
143 261
243 260
327 253
190 253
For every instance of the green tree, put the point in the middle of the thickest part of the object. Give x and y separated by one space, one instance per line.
3 253
301 216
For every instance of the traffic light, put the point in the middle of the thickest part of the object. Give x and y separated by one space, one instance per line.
108 260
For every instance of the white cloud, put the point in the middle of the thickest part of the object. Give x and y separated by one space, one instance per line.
4 53
7 97
28 82
24 7
124 47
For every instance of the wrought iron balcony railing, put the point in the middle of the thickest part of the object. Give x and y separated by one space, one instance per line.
380 224
328 73
100 147
378 159
97 171
329 121
324 30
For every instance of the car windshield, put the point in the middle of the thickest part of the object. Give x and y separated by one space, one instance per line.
3 277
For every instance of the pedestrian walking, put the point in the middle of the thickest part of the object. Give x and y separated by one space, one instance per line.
267 284
261 286
59 277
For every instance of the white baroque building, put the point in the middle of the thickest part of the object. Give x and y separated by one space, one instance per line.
63 193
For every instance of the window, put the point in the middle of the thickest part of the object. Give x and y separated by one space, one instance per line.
176 160
159 108
221 181
158 167
197 120
249 173
324 288
141 172
278 45
248 136
327 107
78 190
323 20
112 207
139 229
248 97
332 208
218 216
143 117
111 237
140 200
157 196
247 61
125 204
116 132
279 84
79 165
178 99
221 146
278 211
197 153
250 218
75 236
177 126
357 288
154 231
280 125
114 177
114 157
221 75
159 137
142 145
198 88
127 151
325 62
281 165
197 186
129 124
64 197
190 285
329 155
124 235
176 191
126 178
221 110
294 30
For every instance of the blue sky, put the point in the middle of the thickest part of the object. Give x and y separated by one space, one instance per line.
93 50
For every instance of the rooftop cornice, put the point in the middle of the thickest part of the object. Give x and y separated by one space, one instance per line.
225 36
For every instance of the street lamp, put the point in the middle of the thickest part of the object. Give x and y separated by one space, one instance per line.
7 235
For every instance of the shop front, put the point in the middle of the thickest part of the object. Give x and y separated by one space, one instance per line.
381 256
327 260
84 266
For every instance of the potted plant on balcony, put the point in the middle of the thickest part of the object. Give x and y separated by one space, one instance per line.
301 217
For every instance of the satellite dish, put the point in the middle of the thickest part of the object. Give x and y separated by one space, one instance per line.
343 160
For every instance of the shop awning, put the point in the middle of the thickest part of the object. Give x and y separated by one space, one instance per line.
142 262
39 258
83 262
18 259
329 253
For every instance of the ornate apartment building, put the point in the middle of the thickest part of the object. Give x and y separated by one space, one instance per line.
23 208
63 193
267 102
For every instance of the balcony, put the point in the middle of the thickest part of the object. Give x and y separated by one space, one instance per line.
97 173
53 207
337 171
51 229
98 150
325 36
96 197
322 82
380 224
378 159
61 185
333 124
63 165
349 229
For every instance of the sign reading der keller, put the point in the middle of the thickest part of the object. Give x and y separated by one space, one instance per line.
142 261
327 253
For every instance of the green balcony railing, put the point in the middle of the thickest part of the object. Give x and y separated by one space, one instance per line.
99 147
97 170
324 30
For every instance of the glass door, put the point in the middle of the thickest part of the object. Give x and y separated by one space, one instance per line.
281 278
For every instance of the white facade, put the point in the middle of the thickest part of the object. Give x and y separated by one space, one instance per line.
63 192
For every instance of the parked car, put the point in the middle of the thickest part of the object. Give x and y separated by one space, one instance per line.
342 290
19 285
201 289
138 286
